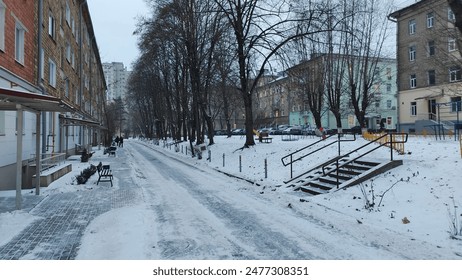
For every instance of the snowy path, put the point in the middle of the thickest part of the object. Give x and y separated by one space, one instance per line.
198 214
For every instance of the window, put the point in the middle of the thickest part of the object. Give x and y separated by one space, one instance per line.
67 87
388 104
52 77
2 27
431 48
451 16
388 73
51 25
413 81
454 74
430 20
19 43
456 104
413 108
388 87
412 26
452 44
431 77
42 67
68 52
411 53
68 14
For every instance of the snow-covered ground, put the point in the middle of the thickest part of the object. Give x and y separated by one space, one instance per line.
419 214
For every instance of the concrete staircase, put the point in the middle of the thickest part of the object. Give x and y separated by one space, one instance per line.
350 172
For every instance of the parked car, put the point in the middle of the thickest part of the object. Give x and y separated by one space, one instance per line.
293 130
238 131
308 131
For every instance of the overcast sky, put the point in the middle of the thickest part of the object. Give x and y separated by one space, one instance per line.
114 22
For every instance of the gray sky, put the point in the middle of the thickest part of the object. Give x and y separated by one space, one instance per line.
114 22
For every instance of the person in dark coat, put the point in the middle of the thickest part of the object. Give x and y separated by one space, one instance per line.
121 141
117 141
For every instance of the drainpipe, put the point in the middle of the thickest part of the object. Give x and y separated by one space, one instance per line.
39 71
42 114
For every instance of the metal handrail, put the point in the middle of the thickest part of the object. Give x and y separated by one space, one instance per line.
48 160
391 142
312 152
336 159
299 150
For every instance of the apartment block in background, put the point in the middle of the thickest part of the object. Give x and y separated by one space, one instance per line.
429 67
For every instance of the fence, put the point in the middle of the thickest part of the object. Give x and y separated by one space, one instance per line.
396 140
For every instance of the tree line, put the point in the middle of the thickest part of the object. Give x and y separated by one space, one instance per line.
203 59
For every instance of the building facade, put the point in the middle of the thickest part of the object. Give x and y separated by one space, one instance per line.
281 99
48 47
116 75
429 66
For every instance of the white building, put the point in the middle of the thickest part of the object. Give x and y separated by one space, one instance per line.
116 80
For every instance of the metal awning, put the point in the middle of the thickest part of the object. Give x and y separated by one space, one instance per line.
68 121
31 101
20 101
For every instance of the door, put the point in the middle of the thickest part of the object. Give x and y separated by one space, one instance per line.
432 109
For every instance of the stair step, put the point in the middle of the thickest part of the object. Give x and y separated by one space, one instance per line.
321 185
311 190
330 180
368 163
357 166
343 170
341 176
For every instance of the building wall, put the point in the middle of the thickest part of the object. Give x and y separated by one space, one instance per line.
436 45
283 95
67 39
19 13
116 78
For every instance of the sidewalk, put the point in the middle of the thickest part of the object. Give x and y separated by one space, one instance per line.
64 216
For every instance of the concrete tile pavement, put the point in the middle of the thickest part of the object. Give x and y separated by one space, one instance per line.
64 216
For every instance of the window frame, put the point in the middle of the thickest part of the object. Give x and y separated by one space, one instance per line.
412 53
431 48
431 75
413 108
456 107
452 44
51 25
412 27
53 71
2 25
413 81
430 20
455 74
19 42
451 15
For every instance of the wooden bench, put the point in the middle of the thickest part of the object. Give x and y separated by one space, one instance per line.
105 173
267 139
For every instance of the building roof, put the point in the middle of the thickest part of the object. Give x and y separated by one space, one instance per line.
398 13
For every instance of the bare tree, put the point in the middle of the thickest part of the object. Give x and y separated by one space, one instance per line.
367 31
261 29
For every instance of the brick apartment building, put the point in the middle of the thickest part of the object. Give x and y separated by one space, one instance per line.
48 48
429 67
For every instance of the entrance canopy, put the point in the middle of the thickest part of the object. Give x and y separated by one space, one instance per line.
20 101
31 102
